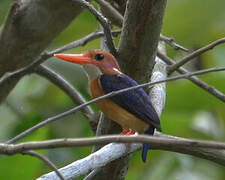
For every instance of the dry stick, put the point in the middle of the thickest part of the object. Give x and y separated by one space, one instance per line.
65 86
109 10
46 161
83 41
103 21
194 54
210 89
64 114
155 141
92 174
172 43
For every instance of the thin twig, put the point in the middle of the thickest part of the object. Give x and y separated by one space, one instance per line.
92 174
110 12
195 54
210 89
103 21
172 43
161 142
71 111
83 41
46 161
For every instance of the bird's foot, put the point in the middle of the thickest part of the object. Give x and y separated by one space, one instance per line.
127 132
124 132
130 132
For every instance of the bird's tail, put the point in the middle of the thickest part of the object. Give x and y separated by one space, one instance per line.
146 147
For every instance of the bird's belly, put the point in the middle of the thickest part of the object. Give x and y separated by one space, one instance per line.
115 112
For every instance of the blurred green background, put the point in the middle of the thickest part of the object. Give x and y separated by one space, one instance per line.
190 112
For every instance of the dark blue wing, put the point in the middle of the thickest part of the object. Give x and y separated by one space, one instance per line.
135 101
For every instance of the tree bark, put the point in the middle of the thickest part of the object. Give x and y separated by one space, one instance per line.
30 27
140 36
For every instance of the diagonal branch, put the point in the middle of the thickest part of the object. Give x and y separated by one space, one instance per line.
103 21
170 41
110 12
65 86
46 161
74 110
196 53
210 89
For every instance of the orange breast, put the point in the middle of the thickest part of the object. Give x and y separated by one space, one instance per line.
115 112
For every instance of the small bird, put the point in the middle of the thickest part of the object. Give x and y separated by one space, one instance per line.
132 110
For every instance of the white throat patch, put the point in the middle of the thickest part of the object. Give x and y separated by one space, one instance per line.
92 71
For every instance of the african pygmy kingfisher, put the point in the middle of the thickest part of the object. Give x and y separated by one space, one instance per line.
131 109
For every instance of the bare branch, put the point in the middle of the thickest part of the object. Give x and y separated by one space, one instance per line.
110 12
159 141
83 41
10 149
46 161
210 89
172 43
113 151
74 110
195 54
92 174
65 86
103 21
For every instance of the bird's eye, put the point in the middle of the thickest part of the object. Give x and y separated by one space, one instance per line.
99 57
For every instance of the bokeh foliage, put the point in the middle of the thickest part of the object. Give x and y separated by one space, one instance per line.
190 112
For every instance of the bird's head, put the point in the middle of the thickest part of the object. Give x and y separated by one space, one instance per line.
95 62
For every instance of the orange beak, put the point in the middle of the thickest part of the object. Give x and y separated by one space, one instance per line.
74 58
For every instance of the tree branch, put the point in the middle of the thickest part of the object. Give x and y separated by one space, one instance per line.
46 161
210 89
103 21
110 12
210 150
113 15
155 141
74 110
196 53
113 151
170 41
